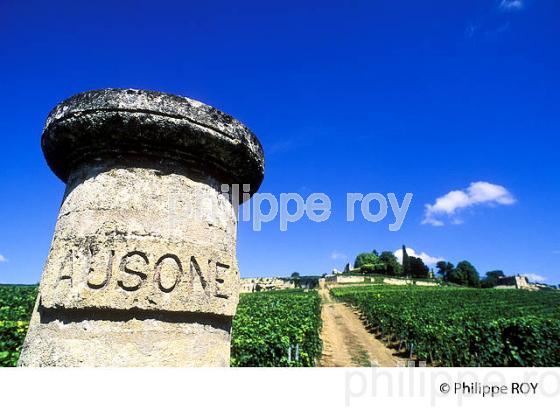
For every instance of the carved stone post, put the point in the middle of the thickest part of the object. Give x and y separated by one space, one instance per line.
142 270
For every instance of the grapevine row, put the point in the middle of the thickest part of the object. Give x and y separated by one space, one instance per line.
464 327
280 328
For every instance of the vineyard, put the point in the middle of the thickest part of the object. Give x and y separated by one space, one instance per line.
270 329
16 305
280 328
463 327
444 326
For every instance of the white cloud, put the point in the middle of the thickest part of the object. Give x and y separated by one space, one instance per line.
511 4
478 193
428 260
471 30
3 258
335 255
533 277
281 147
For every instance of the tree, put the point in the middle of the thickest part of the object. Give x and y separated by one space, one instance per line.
491 278
296 279
366 259
370 268
418 268
405 262
392 265
445 269
465 274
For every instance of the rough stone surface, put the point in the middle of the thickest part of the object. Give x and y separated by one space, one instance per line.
113 123
142 269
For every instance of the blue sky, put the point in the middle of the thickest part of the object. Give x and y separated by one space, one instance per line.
366 96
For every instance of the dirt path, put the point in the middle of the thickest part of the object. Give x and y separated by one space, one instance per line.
346 342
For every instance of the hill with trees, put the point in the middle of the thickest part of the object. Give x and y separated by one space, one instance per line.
387 264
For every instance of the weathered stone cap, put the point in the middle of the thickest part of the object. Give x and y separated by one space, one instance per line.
120 123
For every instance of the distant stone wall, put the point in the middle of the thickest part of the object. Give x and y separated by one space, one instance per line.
423 283
401 282
349 279
249 285
398 282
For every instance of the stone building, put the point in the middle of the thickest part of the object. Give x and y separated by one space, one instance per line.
513 282
250 285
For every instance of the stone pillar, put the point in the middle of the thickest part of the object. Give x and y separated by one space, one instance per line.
142 269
